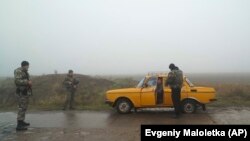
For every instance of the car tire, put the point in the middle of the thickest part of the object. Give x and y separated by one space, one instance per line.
123 106
189 106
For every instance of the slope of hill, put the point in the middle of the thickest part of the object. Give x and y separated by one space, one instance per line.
232 90
49 93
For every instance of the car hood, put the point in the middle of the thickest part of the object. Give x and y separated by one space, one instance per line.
203 89
125 90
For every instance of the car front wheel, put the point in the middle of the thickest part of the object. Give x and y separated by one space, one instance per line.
123 106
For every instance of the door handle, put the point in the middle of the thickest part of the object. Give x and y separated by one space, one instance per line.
193 90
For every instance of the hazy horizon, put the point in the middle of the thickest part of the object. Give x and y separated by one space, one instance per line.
202 74
115 37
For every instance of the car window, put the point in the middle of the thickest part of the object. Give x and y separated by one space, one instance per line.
140 84
189 82
152 82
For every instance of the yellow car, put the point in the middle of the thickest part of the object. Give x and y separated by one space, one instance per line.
144 95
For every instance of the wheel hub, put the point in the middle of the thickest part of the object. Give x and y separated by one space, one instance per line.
189 107
124 106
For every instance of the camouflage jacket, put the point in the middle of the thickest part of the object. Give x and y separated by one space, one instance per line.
175 79
21 78
69 82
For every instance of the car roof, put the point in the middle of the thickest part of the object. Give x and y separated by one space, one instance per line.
157 74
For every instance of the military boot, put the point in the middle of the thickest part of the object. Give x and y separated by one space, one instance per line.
20 126
25 123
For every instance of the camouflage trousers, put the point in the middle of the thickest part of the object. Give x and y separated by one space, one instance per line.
176 98
69 99
23 101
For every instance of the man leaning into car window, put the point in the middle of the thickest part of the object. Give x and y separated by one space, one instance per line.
175 81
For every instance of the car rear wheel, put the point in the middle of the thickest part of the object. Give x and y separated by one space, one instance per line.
189 106
123 106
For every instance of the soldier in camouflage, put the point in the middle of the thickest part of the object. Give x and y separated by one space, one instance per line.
175 81
23 91
71 84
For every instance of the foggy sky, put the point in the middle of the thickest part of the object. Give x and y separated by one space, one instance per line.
124 36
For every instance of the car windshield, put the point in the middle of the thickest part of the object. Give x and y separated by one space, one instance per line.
140 83
189 82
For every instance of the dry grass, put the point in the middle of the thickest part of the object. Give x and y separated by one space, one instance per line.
232 89
49 94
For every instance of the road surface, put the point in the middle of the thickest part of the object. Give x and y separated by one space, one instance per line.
107 125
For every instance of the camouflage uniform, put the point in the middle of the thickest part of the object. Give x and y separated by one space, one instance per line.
69 83
175 81
22 91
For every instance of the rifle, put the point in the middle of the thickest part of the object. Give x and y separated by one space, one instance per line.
29 90
29 87
75 82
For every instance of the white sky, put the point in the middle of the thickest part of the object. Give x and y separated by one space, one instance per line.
124 36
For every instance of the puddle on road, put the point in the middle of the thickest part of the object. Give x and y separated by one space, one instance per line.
68 119
232 115
72 119
93 119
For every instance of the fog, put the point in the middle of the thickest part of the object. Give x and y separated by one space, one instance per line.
98 37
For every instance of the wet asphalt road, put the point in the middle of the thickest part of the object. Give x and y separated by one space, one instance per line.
107 125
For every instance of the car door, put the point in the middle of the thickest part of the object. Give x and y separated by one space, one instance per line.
167 96
148 92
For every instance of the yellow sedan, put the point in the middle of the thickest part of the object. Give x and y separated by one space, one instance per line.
144 96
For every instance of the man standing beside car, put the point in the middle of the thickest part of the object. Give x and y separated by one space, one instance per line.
175 81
